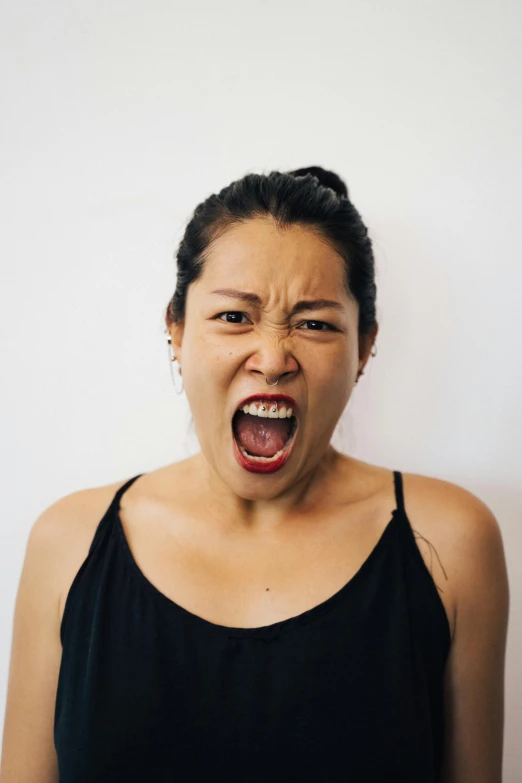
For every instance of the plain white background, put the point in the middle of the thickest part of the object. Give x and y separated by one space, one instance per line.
119 117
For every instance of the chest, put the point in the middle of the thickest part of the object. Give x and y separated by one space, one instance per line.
143 683
252 581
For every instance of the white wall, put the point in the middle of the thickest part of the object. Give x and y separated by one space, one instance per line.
118 117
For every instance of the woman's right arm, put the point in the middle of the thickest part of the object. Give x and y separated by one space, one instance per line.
54 551
28 752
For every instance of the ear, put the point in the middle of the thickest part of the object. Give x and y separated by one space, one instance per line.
175 332
366 345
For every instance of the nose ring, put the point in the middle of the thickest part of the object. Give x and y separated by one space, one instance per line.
271 384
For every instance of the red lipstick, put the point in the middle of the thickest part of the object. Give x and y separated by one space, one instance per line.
255 465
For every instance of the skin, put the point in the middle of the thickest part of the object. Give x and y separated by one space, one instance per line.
224 362
246 550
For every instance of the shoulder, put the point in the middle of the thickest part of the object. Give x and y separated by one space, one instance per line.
455 512
60 538
56 545
463 533
75 515
470 538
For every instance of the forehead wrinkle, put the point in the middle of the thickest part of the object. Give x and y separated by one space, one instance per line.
277 273
301 305
295 293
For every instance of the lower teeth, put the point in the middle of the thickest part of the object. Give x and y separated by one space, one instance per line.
261 459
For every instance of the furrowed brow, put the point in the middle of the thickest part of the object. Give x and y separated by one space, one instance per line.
317 304
304 304
244 296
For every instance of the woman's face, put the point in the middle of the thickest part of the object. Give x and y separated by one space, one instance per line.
229 343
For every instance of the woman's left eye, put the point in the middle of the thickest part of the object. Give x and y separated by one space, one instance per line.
321 323
236 315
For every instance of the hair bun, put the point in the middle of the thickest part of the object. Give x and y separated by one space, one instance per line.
327 178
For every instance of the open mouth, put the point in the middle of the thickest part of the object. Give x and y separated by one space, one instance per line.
264 430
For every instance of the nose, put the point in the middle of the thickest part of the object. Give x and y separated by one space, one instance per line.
273 359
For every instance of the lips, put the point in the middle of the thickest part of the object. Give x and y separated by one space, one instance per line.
259 464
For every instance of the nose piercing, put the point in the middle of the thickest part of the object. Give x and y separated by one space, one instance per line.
271 384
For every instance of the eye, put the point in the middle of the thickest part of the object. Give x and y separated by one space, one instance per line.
317 326
234 313
234 317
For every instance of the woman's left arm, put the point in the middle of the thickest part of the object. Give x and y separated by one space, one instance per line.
474 678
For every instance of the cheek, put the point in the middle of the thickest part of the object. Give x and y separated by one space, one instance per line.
331 379
204 354
207 371
225 348
328 363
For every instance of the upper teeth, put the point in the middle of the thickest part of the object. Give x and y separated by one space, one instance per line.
268 410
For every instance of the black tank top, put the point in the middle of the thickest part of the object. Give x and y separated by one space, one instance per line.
350 690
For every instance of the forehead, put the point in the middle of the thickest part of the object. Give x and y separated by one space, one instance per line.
256 255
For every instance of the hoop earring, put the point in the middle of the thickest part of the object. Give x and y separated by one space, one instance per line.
175 375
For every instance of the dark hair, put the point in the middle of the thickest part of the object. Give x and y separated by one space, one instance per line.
312 197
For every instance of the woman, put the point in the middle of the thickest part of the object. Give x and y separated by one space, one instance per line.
269 609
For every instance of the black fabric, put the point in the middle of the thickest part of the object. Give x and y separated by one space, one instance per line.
351 690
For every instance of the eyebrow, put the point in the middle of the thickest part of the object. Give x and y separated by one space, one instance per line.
303 304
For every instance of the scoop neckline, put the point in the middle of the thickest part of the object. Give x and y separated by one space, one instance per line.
263 631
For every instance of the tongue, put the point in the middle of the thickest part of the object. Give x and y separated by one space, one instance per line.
259 436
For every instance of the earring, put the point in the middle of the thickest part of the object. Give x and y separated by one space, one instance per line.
374 350
175 375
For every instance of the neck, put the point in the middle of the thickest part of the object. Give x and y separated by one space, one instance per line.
256 510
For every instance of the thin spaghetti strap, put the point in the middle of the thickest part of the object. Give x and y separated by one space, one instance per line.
102 535
124 487
399 495
105 523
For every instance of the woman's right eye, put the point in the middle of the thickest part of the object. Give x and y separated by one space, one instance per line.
234 313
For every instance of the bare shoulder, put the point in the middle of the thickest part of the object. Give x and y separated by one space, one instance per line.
57 544
460 517
63 533
69 525
459 538
73 513
469 537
